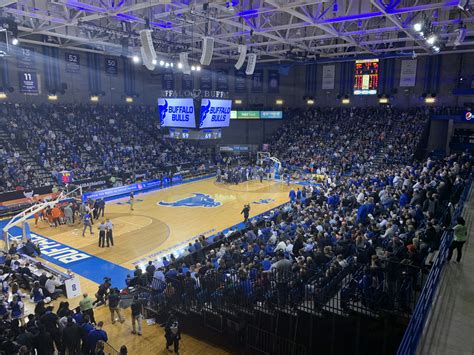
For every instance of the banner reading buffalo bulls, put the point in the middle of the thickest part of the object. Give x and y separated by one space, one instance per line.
273 81
215 113
240 79
176 113
167 81
206 80
222 81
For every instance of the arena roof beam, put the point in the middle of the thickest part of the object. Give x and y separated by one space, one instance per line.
396 21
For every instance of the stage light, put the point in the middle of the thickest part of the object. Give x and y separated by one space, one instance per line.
15 41
135 59
198 68
3 95
238 101
346 101
383 100
436 49
171 65
162 63
431 40
52 97
310 102
167 65
129 99
430 100
95 98
180 65
279 102
193 68
154 61
417 26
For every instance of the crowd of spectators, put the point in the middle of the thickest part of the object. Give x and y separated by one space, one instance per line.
381 224
15 173
93 141
345 140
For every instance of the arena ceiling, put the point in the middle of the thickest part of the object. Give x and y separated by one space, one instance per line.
277 30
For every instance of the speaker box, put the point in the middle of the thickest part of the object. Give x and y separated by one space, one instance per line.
207 50
252 60
147 45
183 59
242 55
146 62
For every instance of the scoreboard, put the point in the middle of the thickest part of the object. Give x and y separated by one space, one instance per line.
366 78
204 134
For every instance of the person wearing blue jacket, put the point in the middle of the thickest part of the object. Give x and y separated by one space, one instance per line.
94 336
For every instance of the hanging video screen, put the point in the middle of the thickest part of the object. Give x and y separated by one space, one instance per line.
366 78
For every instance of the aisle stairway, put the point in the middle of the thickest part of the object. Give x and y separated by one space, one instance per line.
450 330
44 175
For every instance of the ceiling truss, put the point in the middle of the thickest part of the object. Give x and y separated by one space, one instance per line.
276 30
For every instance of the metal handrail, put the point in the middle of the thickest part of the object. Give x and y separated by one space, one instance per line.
414 331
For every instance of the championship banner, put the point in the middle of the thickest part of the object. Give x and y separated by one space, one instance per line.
222 81
408 73
257 80
240 79
329 75
73 62
206 80
176 113
187 82
167 80
273 81
28 82
25 58
111 66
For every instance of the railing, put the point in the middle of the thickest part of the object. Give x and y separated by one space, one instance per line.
414 331
110 350
269 343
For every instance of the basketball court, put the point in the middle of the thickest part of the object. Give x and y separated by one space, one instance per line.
162 222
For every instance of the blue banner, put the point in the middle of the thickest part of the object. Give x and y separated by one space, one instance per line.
257 80
187 82
240 79
206 80
215 113
176 113
73 62
167 82
126 189
111 66
25 58
28 82
273 81
222 81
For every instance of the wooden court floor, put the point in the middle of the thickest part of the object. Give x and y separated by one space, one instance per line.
153 230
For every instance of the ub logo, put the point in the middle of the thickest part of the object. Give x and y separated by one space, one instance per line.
204 111
163 109
263 201
197 200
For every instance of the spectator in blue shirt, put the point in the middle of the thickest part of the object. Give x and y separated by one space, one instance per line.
94 336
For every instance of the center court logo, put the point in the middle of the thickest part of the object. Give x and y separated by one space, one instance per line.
264 201
197 200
